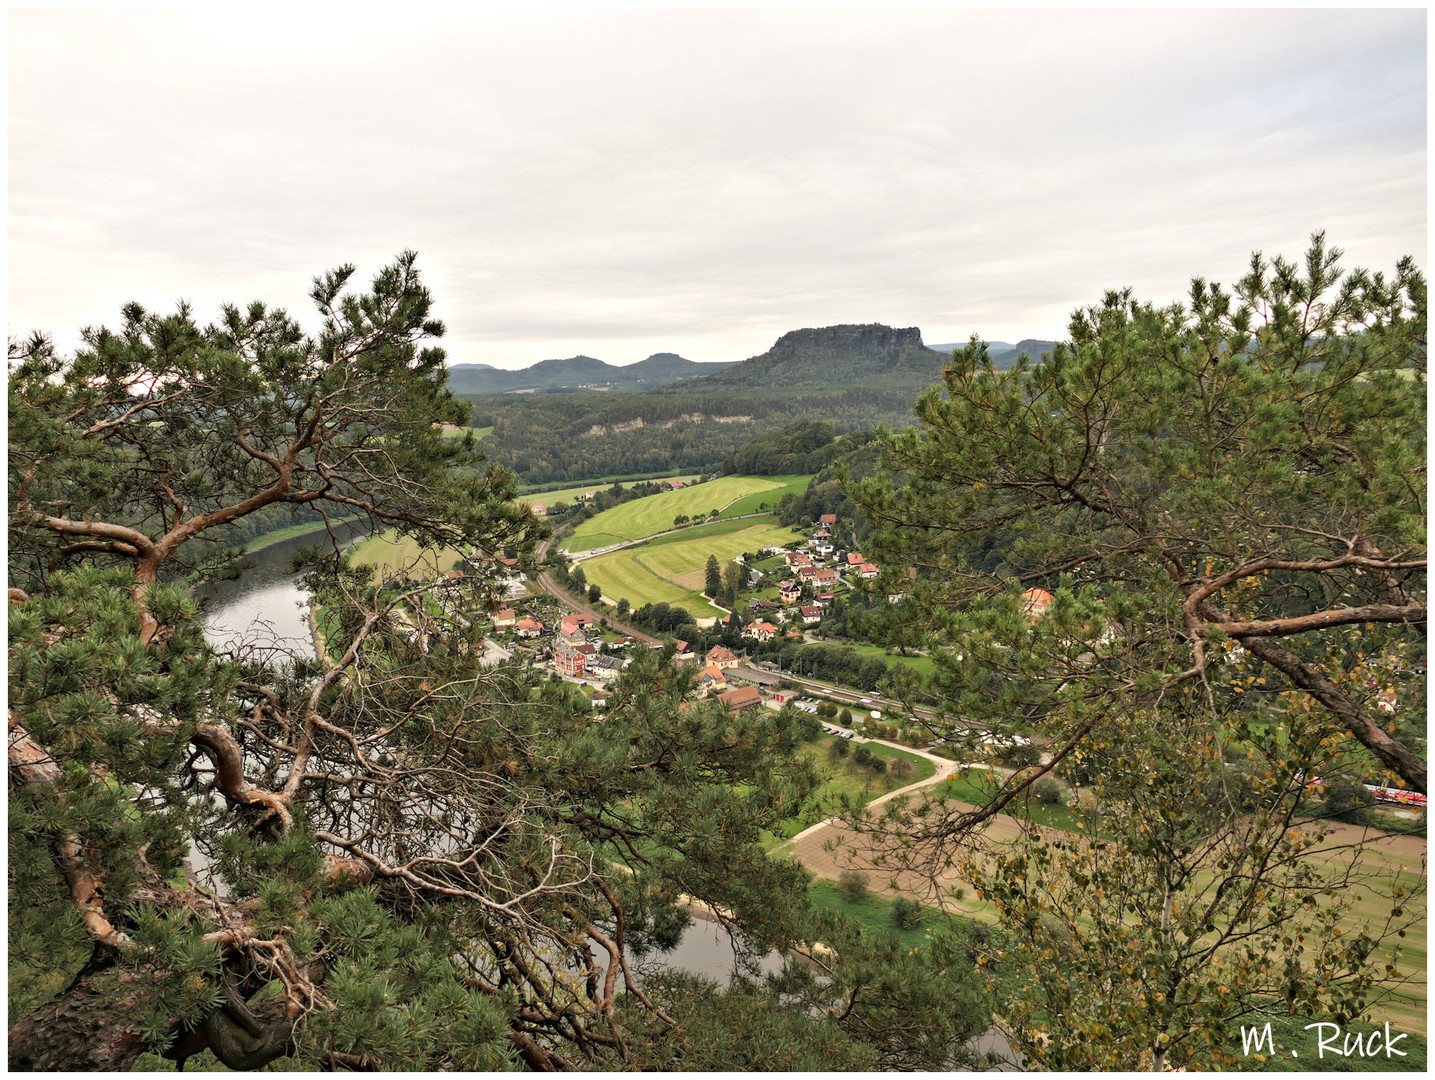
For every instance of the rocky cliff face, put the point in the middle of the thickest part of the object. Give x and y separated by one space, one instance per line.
836 356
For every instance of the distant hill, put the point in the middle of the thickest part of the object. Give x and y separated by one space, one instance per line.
830 357
832 381
577 373
1003 354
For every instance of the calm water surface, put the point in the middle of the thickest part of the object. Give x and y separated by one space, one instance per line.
265 608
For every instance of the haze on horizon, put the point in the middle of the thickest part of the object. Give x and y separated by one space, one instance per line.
619 183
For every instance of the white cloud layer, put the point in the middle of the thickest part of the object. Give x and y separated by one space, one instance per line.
620 183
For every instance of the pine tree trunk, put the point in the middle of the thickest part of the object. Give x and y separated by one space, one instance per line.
81 1030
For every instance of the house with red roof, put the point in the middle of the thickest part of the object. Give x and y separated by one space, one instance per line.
811 614
721 657
744 697
762 631
711 680
1036 601
827 519
528 628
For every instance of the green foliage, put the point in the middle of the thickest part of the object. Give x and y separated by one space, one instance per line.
906 913
1216 498
854 885
1048 791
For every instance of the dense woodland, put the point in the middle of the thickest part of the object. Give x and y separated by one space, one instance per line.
557 437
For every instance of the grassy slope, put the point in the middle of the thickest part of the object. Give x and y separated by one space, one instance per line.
644 517
794 484
844 779
392 554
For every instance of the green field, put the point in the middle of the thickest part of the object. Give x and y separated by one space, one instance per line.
922 665
670 569
644 517
393 554
845 779
591 541
562 495
753 504
450 431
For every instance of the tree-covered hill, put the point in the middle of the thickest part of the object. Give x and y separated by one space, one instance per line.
1003 354
851 378
577 373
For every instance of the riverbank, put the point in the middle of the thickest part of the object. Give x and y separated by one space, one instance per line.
278 536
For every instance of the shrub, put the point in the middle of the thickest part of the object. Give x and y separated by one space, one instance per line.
1344 801
907 914
1048 791
845 718
853 884
827 709
1018 757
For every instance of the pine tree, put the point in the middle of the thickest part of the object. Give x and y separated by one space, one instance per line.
712 576
400 866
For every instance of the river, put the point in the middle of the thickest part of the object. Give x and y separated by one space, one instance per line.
265 608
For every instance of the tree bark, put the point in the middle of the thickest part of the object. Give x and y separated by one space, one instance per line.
82 1030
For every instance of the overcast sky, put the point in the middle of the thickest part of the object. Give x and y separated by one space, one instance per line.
619 183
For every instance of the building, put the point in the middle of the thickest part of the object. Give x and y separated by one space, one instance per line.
682 650
788 591
569 660
823 599
711 680
528 628
827 519
744 697
811 615
868 570
503 618
855 558
721 657
573 629
605 667
762 631
1036 601
825 577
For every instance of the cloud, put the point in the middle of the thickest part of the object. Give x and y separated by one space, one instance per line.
625 182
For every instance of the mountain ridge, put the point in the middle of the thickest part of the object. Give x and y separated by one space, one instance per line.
579 372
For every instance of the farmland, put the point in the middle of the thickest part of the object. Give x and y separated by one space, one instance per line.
767 499
393 554
568 494
655 513
670 569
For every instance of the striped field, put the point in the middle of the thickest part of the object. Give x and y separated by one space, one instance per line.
671 569
655 513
